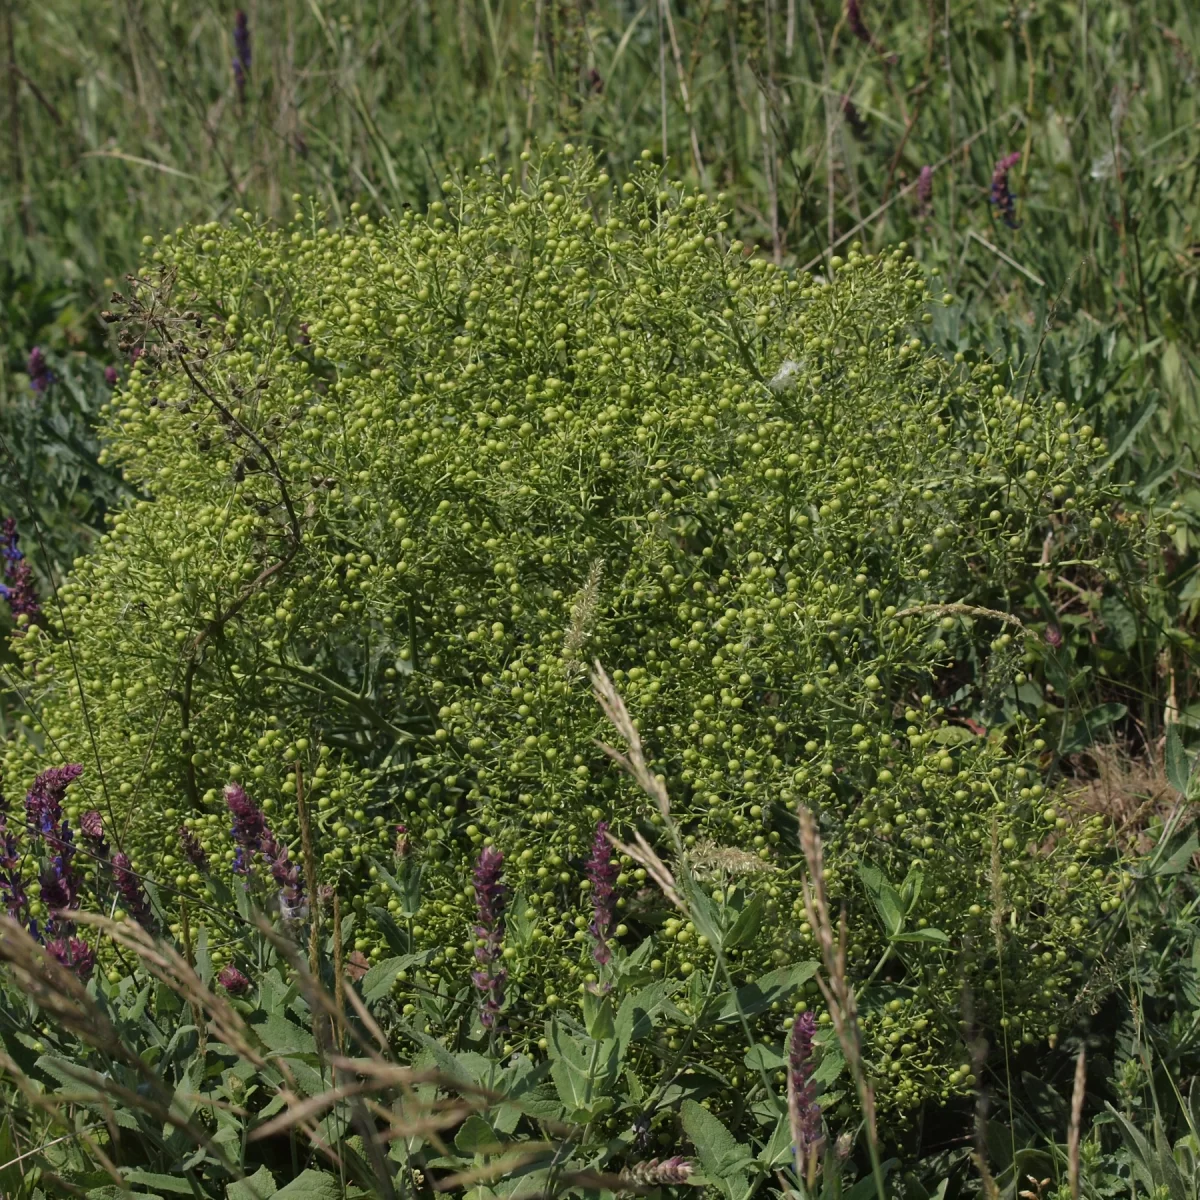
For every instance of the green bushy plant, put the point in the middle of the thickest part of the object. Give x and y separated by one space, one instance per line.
401 483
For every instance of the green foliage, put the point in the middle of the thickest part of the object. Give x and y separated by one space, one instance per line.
403 482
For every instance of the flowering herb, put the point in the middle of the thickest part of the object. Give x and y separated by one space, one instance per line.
192 850
133 895
925 187
667 1172
16 575
75 954
91 827
287 874
43 802
233 981
248 827
38 370
804 1113
241 53
12 884
858 126
489 934
1002 198
602 873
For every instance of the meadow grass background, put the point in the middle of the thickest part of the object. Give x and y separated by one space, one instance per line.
816 119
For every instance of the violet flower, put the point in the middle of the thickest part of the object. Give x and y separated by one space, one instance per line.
43 802
233 981
110 376
12 886
858 26
75 954
602 872
1002 198
292 905
858 125
925 187
137 905
667 1172
60 883
804 1113
192 850
16 575
241 53
91 826
249 825
489 934
38 370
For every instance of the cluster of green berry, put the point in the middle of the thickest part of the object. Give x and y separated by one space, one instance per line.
405 480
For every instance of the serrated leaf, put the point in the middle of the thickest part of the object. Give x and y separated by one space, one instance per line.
1179 859
476 1136
761 1057
745 928
259 1186
758 996
1095 720
716 1148
378 981
885 898
311 1185
164 1183
923 935
1176 760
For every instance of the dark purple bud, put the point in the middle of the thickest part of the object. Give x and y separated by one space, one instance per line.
602 873
91 826
858 126
667 1172
43 802
489 980
130 886
1002 197
804 1113
110 376
925 187
75 954
233 981
292 905
192 850
249 825
241 52
402 845
1053 636
38 370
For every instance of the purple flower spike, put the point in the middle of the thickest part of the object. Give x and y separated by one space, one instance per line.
925 187
75 954
249 825
91 826
43 802
667 1172
1002 198
132 893
241 53
192 850
233 981
16 575
12 886
292 905
602 872
38 370
489 934
804 1113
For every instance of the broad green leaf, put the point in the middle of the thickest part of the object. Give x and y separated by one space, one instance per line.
636 1016
885 898
476 1136
259 1186
715 1146
761 1057
832 1064
598 1016
778 1150
163 1183
282 1036
1120 621
1176 760
1093 722
378 981
758 996
745 928
953 735
311 1185
1179 859
923 935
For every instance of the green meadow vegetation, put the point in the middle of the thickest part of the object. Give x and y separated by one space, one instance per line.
598 599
